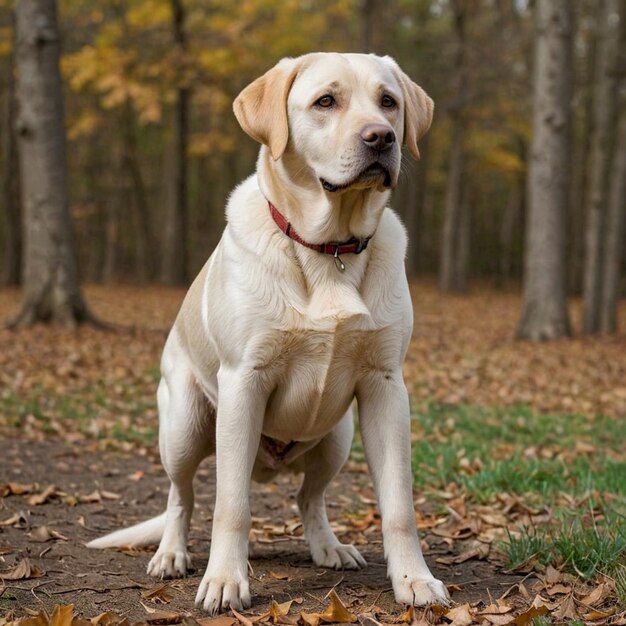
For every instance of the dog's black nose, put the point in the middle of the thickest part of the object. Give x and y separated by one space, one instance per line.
378 136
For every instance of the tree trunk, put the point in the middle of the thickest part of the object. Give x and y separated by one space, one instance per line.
604 106
449 280
368 12
616 210
11 261
174 268
544 311
51 288
145 250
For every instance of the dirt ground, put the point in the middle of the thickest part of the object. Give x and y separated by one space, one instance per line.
95 492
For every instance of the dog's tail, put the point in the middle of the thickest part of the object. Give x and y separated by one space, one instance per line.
143 534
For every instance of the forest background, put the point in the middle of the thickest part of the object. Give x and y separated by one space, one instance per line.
154 149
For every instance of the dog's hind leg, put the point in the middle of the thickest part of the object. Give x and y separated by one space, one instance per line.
321 465
186 436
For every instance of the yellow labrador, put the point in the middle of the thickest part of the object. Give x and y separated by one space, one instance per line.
303 307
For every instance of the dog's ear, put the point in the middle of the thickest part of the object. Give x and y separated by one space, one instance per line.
418 110
261 108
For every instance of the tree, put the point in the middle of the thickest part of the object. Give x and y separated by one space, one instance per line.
174 268
544 310
616 202
604 117
454 240
50 279
9 187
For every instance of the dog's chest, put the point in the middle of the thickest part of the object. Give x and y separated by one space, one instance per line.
313 373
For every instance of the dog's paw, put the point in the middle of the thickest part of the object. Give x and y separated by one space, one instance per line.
338 556
217 593
170 564
420 591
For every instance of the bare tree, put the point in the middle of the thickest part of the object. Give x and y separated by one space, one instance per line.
51 288
544 312
11 269
604 115
616 202
174 267
452 270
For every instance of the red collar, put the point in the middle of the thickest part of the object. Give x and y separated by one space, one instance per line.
351 246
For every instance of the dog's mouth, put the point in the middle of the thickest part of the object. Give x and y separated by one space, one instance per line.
373 174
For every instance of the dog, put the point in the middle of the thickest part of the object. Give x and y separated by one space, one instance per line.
302 308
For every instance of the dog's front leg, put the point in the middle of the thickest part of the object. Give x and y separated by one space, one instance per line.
384 417
240 411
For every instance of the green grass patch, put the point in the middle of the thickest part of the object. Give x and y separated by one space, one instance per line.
582 545
490 451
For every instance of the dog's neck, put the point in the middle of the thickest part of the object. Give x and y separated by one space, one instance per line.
317 215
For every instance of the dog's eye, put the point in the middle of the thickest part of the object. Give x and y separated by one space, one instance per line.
325 101
388 102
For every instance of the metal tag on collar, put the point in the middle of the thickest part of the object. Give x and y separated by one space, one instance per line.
338 262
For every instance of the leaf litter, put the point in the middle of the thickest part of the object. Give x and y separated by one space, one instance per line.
110 378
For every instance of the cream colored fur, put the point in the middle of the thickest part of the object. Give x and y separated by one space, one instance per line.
278 343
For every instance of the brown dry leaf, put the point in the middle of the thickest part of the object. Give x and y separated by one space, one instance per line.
336 612
558 589
15 489
17 519
62 615
159 594
136 476
42 534
242 618
280 576
41 619
553 575
40 498
109 495
368 619
221 620
161 618
566 609
597 614
600 593
278 613
529 616
94 496
479 552
22 571
310 619
460 615
108 619
408 616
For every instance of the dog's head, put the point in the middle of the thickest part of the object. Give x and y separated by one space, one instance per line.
345 114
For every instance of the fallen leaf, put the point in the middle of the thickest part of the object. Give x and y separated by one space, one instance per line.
159 594
220 620
242 618
280 576
62 615
17 519
43 534
161 618
336 612
528 617
600 593
40 498
566 609
368 619
22 571
311 619
597 614
278 613
460 615
408 616
15 489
